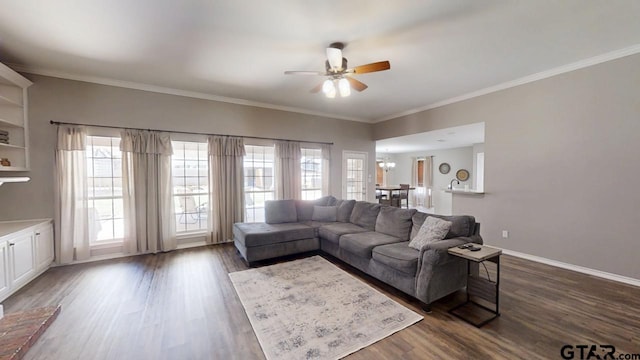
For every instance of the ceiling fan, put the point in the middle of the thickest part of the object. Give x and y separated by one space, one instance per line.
339 76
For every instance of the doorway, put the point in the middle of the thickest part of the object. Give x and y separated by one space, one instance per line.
354 175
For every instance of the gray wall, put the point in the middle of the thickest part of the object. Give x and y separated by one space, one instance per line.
80 102
561 163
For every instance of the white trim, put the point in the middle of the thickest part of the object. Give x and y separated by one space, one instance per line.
177 92
577 268
356 155
613 55
11 75
194 244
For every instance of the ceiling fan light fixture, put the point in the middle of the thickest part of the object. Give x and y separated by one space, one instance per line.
329 89
344 87
334 56
337 73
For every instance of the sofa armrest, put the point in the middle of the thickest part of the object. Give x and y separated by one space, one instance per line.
433 259
436 252
444 245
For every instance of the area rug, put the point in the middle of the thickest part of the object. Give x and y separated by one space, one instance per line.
20 331
311 309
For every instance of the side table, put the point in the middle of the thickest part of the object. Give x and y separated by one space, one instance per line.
477 286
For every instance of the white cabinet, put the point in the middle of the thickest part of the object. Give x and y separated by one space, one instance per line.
14 136
5 287
21 257
44 246
26 251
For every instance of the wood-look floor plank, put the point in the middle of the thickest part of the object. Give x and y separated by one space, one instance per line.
182 305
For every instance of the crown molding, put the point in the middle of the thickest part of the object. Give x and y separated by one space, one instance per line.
173 91
613 55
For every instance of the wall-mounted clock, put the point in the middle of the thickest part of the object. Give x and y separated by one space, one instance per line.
444 168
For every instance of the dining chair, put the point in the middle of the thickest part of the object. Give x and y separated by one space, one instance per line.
380 195
403 194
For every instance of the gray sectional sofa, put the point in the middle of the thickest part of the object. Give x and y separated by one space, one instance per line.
368 236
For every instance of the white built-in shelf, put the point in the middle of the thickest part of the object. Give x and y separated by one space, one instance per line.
12 146
7 101
12 168
14 119
8 123
14 179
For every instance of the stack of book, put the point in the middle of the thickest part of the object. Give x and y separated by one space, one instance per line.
4 137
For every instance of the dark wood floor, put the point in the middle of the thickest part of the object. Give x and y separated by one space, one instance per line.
181 305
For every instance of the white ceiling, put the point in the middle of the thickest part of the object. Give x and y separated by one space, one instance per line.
238 50
454 137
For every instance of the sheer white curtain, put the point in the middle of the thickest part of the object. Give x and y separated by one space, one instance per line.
72 208
428 180
421 195
147 191
226 182
416 197
326 169
287 170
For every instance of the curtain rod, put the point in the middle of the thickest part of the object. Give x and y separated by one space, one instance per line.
187 132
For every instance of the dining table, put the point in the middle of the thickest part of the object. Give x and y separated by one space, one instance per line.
389 189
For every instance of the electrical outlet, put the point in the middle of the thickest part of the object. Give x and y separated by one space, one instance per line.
505 234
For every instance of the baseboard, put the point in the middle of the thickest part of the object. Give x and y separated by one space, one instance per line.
191 245
122 255
577 268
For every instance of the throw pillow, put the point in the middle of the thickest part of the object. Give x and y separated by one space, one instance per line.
324 213
432 230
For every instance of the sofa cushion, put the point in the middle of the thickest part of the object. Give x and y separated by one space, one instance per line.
461 225
362 244
333 232
304 208
258 234
280 211
324 213
345 207
395 221
365 214
398 256
433 229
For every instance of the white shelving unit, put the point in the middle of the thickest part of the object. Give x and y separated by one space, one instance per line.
14 119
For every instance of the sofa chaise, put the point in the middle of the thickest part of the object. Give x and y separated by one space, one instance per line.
371 237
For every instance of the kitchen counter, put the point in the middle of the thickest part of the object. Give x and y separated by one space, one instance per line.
465 192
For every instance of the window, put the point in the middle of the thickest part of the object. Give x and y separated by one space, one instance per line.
104 175
190 172
258 181
421 173
379 173
311 173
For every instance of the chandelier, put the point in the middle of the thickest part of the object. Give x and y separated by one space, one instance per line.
387 165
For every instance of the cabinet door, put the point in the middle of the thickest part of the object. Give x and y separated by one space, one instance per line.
44 247
4 269
22 259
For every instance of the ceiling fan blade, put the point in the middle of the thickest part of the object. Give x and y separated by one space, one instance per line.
373 67
303 73
334 56
356 84
317 88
